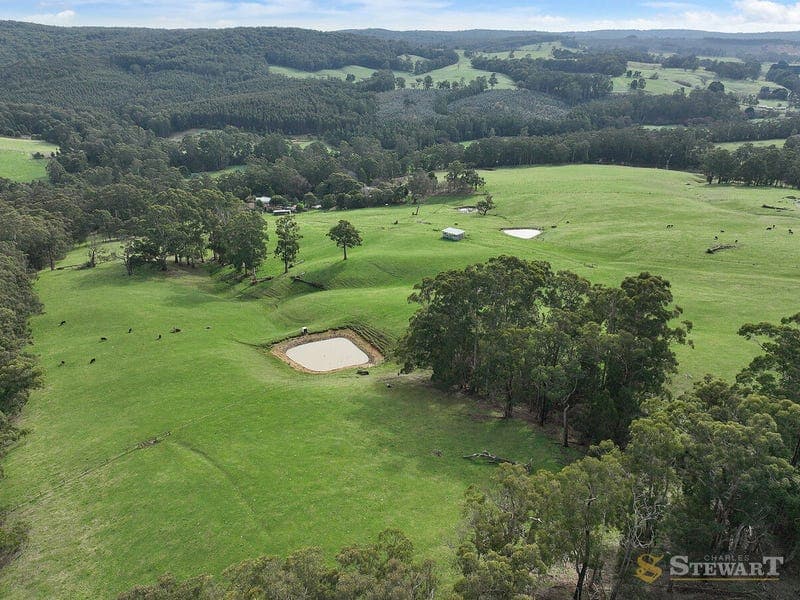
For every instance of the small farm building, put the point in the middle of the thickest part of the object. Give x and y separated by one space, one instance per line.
451 233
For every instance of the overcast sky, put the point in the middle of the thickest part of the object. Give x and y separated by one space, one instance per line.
550 15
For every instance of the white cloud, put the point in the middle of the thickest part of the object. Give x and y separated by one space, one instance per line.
764 10
739 16
670 5
64 17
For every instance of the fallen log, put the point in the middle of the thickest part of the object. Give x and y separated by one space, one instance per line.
257 280
719 247
486 455
496 460
318 286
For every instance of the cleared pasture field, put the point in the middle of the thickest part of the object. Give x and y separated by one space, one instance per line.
462 69
221 172
17 162
359 72
670 80
303 141
779 142
543 50
264 459
179 135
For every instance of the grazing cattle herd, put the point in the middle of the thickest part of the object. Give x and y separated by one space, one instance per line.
105 339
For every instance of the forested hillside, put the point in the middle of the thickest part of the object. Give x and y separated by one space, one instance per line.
184 78
769 46
234 52
60 82
473 39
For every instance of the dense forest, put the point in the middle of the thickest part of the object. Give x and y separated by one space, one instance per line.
234 52
186 78
541 76
193 79
487 40
767 47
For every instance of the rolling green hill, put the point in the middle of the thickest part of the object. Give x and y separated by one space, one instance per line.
464 69
263 459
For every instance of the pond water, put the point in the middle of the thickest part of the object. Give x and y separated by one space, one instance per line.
328 355
523 234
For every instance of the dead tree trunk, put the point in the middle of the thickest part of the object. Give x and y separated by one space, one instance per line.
488 456
587 546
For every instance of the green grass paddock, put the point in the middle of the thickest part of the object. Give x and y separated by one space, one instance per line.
263 459
731 146
221 172
672 79
463 69
17 162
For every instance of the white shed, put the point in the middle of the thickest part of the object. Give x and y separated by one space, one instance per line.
451 233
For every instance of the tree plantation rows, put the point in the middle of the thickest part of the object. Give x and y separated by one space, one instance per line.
678 149
733 69
290 106
783 75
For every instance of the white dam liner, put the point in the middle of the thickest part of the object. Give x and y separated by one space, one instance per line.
523 234
328 355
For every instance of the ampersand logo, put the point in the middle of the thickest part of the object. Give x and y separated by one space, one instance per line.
648 571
